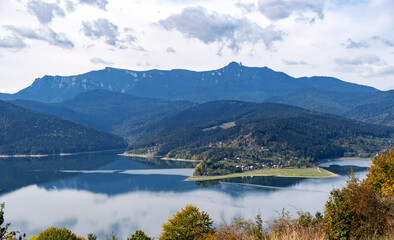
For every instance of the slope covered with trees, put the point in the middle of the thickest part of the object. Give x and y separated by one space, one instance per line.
119 113
372 107
230 133
23 131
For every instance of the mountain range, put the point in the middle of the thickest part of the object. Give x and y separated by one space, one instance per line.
143 107
232 82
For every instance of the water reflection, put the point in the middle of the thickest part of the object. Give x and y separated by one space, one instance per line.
16 173
104 193
271 181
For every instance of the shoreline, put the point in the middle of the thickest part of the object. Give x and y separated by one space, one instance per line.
139 155
24 156
180 159
352 158
343 159
56 154
159 157
315 172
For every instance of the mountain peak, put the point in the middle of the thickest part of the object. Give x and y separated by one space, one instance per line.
234 65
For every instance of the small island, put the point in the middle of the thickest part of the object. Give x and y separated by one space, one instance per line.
314 172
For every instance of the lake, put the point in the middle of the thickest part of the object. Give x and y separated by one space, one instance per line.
104 193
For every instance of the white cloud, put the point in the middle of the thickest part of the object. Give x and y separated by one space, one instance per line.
12 42
43 33
352 44
290 62
384 41
97 60
361 60
171 50
381 71
98 3
102 28
70 6
45 11
247 7
280 9
197 22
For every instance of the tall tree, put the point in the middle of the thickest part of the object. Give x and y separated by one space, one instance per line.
381 174
188 224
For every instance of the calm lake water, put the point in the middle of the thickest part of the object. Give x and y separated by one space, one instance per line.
104 193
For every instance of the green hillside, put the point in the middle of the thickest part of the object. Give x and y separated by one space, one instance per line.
120 113
372 107
230 133
379 113
23 131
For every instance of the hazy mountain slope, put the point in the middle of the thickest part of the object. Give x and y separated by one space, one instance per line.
23 131
372 107
234 81
111 111
379 113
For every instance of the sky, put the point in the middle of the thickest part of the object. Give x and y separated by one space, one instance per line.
352 40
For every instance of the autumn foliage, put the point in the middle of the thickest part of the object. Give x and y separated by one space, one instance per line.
364 209
357 212
381 174
57 233
188 223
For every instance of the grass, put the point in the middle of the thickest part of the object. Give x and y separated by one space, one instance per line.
315 172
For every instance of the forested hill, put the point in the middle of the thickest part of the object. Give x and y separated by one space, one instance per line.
116 112
23 131
233 82
372 107
239 130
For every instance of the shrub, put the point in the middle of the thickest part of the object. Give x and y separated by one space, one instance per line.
304 226
381 174
139 235
53 233
239 229
3 229
188 223
92 236
356 212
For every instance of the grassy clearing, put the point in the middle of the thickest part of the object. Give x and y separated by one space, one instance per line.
288 172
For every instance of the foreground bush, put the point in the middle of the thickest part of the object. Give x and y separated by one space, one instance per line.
3 228
357 212
304 226
53 233
364 210
239 229
188 223
381 174
139 235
